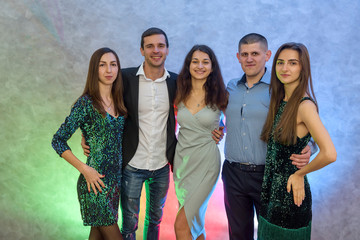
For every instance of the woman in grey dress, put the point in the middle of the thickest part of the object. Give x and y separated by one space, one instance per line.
201 96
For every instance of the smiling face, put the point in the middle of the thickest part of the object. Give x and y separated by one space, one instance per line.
200 66
288 67
252 58
108 69
155 51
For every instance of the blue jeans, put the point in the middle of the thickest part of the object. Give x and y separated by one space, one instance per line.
157 185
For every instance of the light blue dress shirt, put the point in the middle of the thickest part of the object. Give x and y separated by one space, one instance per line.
245 117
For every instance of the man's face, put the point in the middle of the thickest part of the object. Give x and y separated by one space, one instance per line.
155 50
252 58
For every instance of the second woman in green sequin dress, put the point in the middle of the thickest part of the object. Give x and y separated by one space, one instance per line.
100 114
285 211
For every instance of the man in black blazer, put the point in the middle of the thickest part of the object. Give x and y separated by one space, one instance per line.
149 135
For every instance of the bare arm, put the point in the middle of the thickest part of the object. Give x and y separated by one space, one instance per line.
327 154
300 160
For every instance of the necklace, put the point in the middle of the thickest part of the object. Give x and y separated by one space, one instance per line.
108 108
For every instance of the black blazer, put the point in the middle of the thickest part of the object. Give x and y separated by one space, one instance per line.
131 129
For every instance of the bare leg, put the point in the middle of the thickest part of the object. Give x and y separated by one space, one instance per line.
110 232
95 234
182 230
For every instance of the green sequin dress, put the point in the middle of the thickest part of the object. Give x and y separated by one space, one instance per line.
104 136
280 218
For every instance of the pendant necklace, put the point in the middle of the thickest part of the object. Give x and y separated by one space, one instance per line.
108 108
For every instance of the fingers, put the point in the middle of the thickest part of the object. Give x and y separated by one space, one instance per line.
93 180
307 149
218 134
96 186
299 196
299 163
216 139
100 181
301 160
93 186
86 152
295 183
288 186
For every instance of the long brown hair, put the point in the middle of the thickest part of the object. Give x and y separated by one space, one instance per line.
215 91
285 131
92 84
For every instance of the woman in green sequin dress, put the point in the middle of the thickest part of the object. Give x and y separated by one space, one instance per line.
100 114
293 118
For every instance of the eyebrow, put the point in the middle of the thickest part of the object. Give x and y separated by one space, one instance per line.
290 60
105 61
194 58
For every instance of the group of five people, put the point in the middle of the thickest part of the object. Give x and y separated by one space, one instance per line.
127 117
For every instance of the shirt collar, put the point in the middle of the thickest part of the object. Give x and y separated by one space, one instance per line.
243 79
161 79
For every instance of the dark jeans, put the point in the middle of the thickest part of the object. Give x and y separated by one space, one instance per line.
242 190
157 185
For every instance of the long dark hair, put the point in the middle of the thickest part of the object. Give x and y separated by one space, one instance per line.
285 131
92 84
215 91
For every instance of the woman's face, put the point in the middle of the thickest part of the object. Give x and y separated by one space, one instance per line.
288 67
108 69
200 66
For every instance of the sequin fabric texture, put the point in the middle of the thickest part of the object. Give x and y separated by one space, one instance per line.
279 217
104 136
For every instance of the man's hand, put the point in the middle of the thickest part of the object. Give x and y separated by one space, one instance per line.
218 134
301 160
85 147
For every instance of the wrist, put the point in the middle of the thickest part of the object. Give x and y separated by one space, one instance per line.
82 168
299 173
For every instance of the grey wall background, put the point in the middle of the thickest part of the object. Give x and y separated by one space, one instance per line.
45 47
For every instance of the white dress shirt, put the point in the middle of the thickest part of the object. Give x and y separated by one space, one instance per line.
153 115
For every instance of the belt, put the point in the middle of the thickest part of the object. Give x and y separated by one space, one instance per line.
248 167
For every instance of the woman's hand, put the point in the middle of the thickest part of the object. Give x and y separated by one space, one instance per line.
296 183
93 179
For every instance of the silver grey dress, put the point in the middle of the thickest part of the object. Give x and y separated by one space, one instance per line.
196 164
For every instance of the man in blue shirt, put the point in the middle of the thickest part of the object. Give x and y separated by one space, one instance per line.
245 153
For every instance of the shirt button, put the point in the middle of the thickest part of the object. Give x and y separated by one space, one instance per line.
244 104
244 134
245 148
247 91
243 119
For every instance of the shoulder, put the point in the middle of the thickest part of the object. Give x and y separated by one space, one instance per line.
129 71
307 108
266 78
233 83
173 76
83 100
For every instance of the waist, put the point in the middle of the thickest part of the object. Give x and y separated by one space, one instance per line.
247 167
